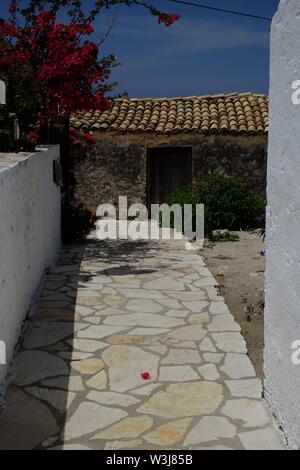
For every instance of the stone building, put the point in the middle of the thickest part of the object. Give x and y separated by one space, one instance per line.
147 148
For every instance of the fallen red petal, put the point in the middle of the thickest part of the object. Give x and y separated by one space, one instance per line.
146 376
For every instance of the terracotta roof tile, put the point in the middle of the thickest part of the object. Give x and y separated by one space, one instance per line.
236 113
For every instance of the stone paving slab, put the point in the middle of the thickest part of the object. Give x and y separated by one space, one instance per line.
132 347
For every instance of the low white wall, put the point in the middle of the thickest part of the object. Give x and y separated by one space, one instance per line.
282 314
29 237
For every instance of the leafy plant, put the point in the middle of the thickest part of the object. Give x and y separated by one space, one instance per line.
220 236
228 203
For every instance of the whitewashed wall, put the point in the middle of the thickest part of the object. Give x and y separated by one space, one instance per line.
282 315
29 237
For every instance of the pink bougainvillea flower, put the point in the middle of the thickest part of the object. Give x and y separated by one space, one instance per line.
146 376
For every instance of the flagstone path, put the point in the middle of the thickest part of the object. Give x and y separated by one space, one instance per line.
131 347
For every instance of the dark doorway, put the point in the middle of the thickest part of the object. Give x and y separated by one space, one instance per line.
169 168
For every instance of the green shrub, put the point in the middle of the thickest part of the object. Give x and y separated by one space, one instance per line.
228 203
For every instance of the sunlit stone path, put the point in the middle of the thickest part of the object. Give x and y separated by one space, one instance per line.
131 347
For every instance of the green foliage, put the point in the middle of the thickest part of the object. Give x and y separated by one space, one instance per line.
228 203
225 237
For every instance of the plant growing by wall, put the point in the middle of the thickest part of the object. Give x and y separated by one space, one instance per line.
228 203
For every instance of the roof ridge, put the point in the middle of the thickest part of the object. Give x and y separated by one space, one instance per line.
215 96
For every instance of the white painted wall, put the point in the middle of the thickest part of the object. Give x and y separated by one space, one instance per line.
29 237
282 315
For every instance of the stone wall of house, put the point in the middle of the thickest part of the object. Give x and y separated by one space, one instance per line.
119 165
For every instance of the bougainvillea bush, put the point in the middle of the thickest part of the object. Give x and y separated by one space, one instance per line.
54 68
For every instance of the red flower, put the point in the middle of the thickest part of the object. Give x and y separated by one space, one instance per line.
167 19
146 376
90 138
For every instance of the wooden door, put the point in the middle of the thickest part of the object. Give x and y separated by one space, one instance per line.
169 168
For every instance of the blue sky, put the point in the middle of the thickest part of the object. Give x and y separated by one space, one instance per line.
204 53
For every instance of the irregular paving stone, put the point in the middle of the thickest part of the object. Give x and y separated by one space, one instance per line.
223 322
262 439
164 283
141 294
145 390
186 345
195 307
126 363
33 366
247 388
114 301
94 320
123 445
238 366
170 433
144 305
25 422
112 398
184 400
199 319
88 301
207 346
159 349
75 355
230 342
149 331
70 447
87 345
192 332
129 428
182 356
99 331
177 374
188 296
207 281
83 311
215 358
57 398
210 428
105 312
209 372
89 417
178 313
143 319
218 308
55 314
171 303
98 381
45 333
88 366
72 383
250 412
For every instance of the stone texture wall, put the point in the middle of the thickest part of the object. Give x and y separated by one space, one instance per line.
119 166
